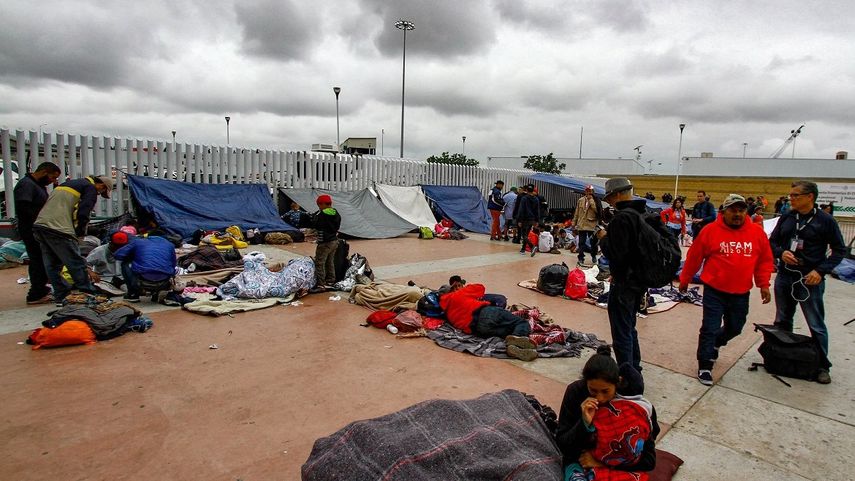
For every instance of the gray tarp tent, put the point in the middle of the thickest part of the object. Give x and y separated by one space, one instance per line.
362 214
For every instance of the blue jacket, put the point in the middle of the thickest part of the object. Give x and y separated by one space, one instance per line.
819 233
153 257
495 201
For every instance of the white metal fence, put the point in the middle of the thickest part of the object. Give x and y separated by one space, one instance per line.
81 155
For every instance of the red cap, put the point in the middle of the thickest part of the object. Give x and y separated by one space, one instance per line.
324 199
119 238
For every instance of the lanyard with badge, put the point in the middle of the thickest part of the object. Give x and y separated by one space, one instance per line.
797 243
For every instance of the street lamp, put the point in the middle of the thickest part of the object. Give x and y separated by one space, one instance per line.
679 160
382 141
744 149
337 91
403 25
464 146
173 137
227 130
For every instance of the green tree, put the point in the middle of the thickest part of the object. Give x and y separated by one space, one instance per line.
456 159
544 163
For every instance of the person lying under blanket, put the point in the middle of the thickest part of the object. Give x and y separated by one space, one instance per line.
467 309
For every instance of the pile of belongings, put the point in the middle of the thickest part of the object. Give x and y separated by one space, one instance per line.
258 282
231 238
86 318
445 230
12 253
209 258
358 272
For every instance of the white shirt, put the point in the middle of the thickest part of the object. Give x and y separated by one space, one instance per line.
101 261
545 242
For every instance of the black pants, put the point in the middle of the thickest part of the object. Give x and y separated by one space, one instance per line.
59 250
724 318
36 269
623 305
492 321
523 234
584 235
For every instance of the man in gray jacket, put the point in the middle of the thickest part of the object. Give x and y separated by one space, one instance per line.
61 222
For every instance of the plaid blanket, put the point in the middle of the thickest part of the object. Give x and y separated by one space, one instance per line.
456 340
496 436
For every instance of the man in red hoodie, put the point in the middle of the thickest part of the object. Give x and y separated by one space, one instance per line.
735 252
466 309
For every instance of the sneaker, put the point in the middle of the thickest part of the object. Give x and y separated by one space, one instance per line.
131 297
526 355
317 290
506 238
823 377
705 377
521 342
533 252
522 253
47 299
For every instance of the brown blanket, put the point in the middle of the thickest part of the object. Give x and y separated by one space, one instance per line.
390 297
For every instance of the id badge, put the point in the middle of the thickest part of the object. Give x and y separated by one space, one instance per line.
794 244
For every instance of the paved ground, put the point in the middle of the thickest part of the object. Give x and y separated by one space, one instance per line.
161 405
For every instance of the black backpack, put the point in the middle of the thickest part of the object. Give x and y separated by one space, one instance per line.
428 305
552 279
659 251
340 259
788 354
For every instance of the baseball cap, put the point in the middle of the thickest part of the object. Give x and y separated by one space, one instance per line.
734 199
324 199
119 238
589 187
108 181
617 184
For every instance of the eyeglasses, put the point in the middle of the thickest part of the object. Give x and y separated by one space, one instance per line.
793 196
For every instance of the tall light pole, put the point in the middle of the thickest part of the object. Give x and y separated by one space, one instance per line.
403 25
337 91
173 137
464 146
227 130
679 160
382 141
744 149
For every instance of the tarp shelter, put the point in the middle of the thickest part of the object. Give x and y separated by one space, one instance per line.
408 202
362 214
462 204
183 207
578 186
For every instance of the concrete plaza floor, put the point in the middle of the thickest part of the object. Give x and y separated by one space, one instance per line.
161 405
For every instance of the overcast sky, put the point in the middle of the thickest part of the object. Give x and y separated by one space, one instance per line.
515 77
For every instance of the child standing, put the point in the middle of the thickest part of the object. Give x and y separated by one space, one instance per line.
326 221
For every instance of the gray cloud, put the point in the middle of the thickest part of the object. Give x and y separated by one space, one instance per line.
621 15
536 15
276 29
652 64
778 63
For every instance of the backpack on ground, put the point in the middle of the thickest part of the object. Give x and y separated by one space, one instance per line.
659 251
577 285
425 233
340 259
552 279
428 305
788 354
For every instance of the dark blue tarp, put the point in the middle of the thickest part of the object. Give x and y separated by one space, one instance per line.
183 207
462 204
578 185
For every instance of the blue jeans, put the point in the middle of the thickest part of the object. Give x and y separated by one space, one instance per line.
492 321
62 250
718 306
132 279
623 305
786 293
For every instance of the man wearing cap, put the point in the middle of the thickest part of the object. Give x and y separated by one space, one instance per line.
619 243
801 241
495 204
736 255
103 265
30 196
589 213
151 259
327 222
508 211
61 222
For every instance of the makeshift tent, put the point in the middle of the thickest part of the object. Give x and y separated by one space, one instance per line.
183 207
408 202
362 214
462 204
578 185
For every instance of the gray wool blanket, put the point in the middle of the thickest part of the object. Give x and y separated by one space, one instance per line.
496 436
456 340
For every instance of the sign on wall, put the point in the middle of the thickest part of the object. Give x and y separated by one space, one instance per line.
843 196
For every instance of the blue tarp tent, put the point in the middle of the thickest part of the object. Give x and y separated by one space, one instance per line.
578 185
183 207
462 204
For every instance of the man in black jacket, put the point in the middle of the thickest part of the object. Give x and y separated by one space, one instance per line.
526 213
30 196
703 213
327 222
800 242
619 243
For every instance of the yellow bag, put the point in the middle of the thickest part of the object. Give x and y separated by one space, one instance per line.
235 232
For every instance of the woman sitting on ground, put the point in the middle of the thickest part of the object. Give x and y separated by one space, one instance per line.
606 428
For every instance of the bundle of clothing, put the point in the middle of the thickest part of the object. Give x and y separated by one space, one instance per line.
108 319
358 272
209 258
258 282
445 230
384 296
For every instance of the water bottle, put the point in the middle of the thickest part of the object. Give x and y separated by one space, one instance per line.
391 328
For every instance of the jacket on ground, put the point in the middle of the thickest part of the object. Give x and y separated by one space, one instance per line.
732 258
460 305
69 207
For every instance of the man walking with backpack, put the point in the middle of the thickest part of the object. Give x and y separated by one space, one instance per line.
801 241
734 252
619 244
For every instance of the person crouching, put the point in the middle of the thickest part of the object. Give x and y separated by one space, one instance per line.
146 259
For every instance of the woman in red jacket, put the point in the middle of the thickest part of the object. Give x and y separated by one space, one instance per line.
674 218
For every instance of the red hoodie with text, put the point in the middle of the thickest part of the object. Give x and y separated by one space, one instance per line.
460 305
732 258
